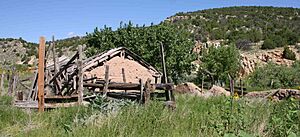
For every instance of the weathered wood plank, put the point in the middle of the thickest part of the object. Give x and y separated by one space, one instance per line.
11 82
2 84
115 86
165 78
41 77
141 91
105 89
80 76
64 68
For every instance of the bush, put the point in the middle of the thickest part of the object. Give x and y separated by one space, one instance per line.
268 44
289 54
298 48
275 76
243 44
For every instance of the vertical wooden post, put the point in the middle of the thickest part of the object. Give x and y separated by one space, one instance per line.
231 92
80 75
202 83
75 83
231 87
165 78
1 83
123 74
241 84
56 67
11 82
105 89
124 77
14 86
54 56
41 73
141 91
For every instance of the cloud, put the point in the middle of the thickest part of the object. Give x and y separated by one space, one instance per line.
71 34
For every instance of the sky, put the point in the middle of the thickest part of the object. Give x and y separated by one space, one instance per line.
31 19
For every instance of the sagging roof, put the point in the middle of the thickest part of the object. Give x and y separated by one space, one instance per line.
98 59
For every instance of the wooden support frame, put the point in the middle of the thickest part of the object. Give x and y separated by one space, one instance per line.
169 94
80 75
41 71
141 91
105 89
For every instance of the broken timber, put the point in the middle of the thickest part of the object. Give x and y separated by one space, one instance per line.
66 78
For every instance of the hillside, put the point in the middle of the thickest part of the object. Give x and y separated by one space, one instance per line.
259 32
19 51
16 50
241 23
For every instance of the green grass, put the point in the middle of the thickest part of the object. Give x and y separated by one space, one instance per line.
193 116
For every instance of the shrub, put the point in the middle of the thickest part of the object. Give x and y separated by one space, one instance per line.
268 44
243 44
275 76
288 54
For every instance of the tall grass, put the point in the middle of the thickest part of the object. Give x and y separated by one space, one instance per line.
193 116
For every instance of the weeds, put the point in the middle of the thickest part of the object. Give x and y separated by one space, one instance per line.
194 116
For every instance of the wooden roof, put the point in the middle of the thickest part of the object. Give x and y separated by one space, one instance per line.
98 59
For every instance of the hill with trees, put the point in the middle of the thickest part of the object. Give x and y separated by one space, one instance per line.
274 25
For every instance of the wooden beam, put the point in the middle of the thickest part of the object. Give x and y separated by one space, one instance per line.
165 78
115 86
202 83
33 87
25 86
141 91
64 68
105 89
11 82
241 84
14 86
56 66
54 56
123 75
1 84
41 100
80 76
148 90
164 86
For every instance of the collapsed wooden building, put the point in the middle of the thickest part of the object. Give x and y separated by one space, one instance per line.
116 73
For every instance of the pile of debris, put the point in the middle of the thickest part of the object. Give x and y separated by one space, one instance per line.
191 88
275 95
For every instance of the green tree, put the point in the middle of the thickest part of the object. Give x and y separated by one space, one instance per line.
145 41
268 44
288 54
221 62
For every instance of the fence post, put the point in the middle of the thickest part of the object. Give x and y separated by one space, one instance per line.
11 82
141 91
105 89
1 83
41 73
